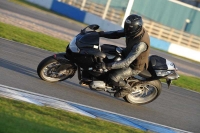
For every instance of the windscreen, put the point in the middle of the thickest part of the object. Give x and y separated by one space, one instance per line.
88 40
73 47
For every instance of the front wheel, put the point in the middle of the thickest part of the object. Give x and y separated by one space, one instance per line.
144 93
51 70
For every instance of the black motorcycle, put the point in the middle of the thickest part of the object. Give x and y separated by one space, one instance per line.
84 52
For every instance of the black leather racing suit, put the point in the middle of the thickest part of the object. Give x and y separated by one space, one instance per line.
122 69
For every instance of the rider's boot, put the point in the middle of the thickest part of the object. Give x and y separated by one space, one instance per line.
125 90
85 79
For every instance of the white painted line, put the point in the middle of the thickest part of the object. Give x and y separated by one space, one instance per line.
39 99
44 100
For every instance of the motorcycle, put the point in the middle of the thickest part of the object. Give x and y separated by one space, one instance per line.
84 52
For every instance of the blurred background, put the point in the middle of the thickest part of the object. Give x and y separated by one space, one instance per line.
175 21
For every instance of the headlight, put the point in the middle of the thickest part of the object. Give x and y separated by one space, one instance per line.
163 73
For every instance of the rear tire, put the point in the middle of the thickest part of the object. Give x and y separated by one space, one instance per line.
51 70
146 93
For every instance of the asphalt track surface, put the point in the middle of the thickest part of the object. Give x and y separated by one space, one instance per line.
178 108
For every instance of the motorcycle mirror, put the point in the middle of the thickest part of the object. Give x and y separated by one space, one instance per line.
94 27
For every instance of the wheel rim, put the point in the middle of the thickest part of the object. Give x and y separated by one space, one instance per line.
49 72
143 93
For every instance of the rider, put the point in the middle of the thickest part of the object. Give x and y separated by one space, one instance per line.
136 53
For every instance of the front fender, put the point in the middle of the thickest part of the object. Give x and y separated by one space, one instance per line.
62 58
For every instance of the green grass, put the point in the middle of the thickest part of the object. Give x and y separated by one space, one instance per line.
188 82
21 117
35 39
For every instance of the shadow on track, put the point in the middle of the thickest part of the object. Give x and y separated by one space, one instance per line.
18 68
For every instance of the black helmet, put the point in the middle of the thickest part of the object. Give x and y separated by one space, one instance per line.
133 25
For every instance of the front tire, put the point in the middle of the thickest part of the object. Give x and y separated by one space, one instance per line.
51 70
144 93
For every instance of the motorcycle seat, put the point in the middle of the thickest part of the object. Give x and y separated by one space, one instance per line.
145 74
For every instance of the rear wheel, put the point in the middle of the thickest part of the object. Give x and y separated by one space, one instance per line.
51 70
144 93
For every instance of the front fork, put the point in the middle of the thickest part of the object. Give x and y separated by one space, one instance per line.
65 63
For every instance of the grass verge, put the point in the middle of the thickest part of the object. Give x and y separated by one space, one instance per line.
56 45
188 82
35 39
21 117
